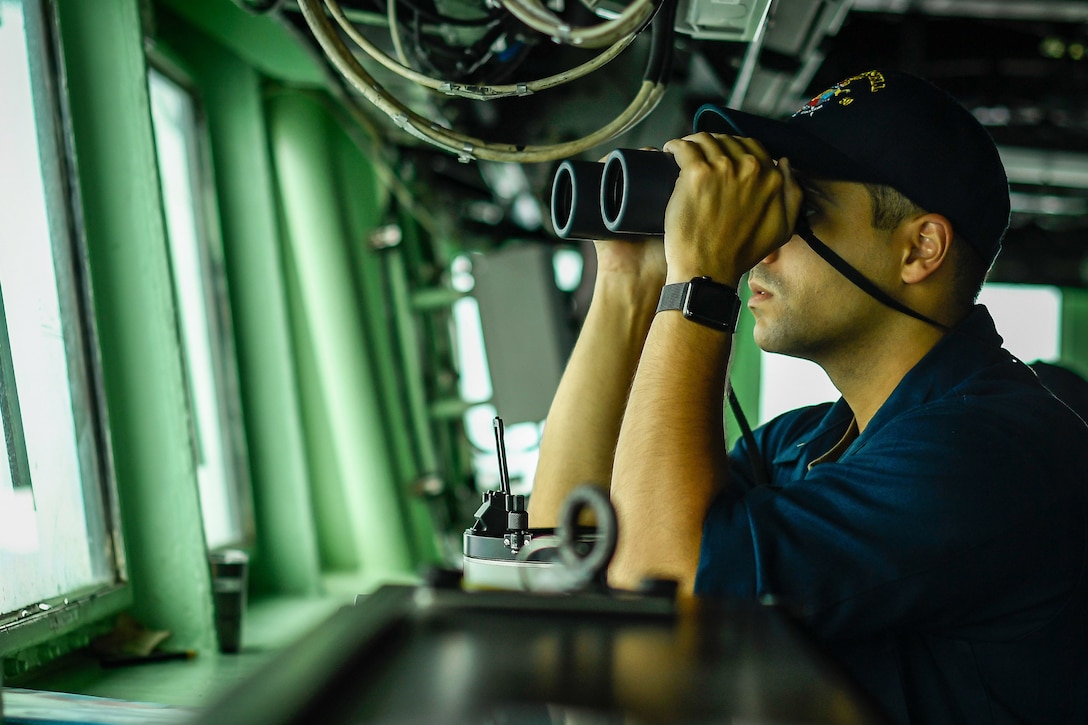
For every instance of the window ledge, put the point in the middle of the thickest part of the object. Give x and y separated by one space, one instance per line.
270 625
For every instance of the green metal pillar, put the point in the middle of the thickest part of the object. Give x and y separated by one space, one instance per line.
394 363
342 382
141 360
1074 340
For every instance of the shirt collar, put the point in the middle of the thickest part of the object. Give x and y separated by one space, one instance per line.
970 346
823 437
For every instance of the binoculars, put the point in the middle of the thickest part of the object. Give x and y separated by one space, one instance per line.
625 195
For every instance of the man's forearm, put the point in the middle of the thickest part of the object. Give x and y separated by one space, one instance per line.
671 456
584 421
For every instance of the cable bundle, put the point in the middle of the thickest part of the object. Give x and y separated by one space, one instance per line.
616 34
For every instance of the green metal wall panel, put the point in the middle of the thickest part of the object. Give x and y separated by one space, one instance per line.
364 198
285 558
1074 344
264 42
341 380
744 371
336 536
141 360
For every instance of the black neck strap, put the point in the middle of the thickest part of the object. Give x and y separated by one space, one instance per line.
844 268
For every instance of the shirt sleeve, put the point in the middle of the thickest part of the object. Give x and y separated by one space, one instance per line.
912 528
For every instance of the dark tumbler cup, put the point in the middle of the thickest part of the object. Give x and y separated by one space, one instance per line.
229 570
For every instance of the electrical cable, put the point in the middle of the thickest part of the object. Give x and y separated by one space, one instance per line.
468 148
539 18
422 52
759 468
512 59
474 92
394 32
439 19
483 58
467 60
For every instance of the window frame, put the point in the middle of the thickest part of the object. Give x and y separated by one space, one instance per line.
11 423
48 620
217 302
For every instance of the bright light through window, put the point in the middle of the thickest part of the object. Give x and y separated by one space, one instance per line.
569 265
786 383
522 439
177 148
53 529
1028 317
474 379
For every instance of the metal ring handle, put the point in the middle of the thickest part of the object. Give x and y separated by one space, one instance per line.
596 561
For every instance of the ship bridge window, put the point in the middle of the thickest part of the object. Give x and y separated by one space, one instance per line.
514 333
58 540
200 296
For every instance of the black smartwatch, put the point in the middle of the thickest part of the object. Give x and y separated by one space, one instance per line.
704 301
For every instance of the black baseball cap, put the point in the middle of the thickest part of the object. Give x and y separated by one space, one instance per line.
895 129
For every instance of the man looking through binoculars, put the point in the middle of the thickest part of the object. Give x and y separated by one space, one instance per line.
931 525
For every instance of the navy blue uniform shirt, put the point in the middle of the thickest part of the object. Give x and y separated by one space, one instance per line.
942 556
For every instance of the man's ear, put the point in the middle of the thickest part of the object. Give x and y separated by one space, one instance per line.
930 237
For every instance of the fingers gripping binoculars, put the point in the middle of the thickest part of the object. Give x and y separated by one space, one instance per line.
625 195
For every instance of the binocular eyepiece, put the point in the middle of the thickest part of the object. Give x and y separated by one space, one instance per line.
626 195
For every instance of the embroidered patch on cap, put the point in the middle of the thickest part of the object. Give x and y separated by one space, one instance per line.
842 92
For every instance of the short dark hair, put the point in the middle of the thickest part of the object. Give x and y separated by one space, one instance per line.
891 208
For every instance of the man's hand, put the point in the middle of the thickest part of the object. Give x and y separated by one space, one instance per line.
731 207
642 261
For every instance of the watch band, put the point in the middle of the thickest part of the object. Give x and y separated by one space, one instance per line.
704 301
672 297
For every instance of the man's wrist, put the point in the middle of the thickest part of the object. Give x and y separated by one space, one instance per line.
629 289
721 276
703 301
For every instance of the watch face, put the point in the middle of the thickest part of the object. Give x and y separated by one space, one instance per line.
711 304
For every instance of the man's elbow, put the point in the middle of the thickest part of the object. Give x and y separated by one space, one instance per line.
632 573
